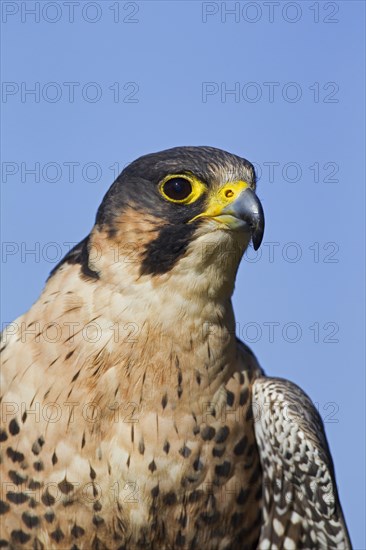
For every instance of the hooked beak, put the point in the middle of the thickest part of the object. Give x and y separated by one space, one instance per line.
245 212
236 206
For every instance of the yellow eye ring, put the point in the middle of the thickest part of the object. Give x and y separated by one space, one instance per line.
181 188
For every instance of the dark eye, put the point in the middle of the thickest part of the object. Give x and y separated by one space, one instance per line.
177 189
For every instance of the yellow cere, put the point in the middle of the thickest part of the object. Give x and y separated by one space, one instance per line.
221 197
198 188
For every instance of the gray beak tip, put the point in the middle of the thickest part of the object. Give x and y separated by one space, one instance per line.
248 208
257 238
258 226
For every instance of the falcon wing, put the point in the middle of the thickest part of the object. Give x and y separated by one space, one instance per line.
301 508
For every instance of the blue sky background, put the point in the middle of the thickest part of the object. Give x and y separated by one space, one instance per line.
309 122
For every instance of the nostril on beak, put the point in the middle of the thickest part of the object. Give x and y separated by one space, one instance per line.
229 193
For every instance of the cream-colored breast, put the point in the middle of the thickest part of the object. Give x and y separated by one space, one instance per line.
114 413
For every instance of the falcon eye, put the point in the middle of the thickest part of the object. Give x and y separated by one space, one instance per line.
182 188
177 189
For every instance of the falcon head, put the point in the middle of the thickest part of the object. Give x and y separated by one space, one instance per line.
183 210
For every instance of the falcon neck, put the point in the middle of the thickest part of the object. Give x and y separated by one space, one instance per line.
180 321
169 334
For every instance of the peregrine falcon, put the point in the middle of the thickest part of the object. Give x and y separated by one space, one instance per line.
132 416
